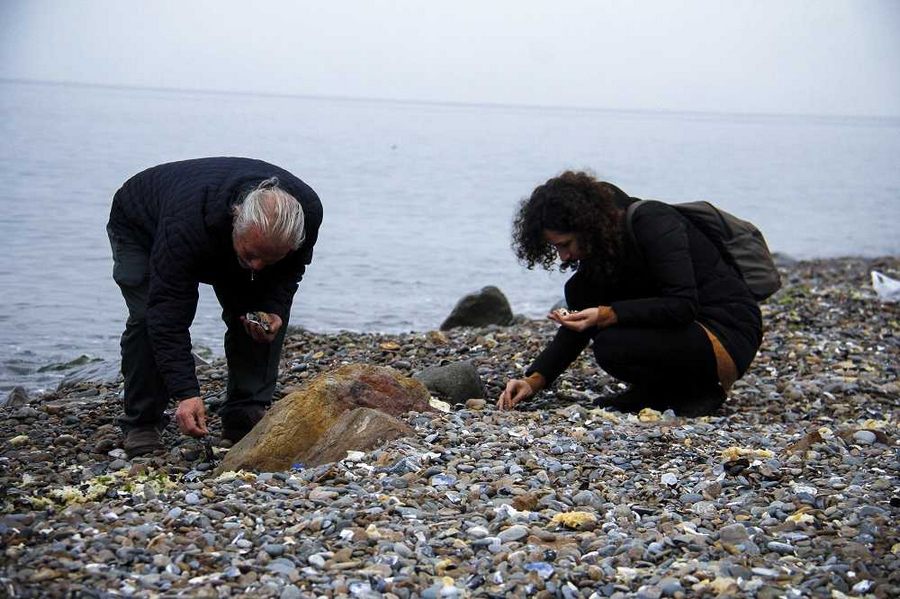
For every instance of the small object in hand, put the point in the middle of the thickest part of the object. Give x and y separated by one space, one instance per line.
561 312
207 447
260 319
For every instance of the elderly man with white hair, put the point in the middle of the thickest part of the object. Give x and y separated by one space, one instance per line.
245 227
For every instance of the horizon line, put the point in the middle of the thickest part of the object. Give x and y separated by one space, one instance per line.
449 103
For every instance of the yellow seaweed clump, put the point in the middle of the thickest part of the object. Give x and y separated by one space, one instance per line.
574 520
649 415
733 453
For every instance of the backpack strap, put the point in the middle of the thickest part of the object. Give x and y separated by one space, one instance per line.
629 225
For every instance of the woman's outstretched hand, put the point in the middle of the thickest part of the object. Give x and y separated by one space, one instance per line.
582 320
517 390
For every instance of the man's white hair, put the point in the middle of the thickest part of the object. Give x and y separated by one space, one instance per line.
275 212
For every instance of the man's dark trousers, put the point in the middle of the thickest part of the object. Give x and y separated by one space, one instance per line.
252 366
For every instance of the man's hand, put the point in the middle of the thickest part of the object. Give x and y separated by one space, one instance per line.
191 417
517 390
582 320
258 333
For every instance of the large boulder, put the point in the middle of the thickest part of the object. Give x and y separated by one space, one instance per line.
288 432
488 306
457 382
356 430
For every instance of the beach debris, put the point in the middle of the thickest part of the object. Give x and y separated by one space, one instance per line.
574 520
441 406
649 415
886 288
733 453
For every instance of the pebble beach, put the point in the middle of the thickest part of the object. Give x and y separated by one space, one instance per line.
791 490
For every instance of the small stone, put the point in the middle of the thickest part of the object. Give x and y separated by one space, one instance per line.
543 569
476 404
670 586
103 446
17 398
323 495
118 465
283 567
733 534
18 441
513 533
403 550
779 547
864 437
290 592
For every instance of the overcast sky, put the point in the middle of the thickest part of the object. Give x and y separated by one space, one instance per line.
770 56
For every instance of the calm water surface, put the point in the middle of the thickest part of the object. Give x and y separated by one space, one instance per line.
418 198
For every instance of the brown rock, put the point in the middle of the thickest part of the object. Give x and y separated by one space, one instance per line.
360 429
288 431
806 442
528 501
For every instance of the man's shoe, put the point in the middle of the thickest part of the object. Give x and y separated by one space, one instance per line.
236 424
703 403
141 441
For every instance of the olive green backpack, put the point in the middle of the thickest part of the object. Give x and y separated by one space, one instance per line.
741 244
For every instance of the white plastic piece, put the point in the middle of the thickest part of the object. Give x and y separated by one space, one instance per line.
886 288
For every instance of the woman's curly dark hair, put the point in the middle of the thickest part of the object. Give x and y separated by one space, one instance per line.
573 202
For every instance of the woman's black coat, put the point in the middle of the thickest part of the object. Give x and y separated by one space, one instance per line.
675 277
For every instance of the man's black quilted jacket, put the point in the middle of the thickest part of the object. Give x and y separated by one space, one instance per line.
180 213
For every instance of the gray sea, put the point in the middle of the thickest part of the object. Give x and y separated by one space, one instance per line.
418 197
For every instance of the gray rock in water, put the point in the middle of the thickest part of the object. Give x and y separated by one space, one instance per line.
202 356
17 398
488 306
783 260
457 382
99 372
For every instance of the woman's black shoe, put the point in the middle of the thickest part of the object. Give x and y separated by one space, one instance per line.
702 403
631 400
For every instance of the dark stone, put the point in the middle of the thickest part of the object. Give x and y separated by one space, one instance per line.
203 356
94 373
456 382
783 260
17 398
485 307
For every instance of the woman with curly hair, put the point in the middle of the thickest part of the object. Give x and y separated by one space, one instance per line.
664 311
